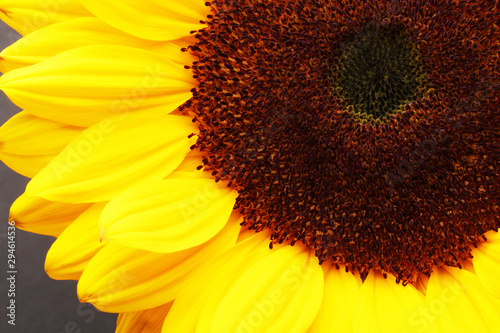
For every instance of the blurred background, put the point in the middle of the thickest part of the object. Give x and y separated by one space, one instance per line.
43 305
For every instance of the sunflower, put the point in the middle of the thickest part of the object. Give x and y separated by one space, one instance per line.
263 165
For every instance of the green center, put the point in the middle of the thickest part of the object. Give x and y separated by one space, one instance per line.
378 73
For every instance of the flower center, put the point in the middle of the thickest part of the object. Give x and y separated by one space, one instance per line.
368 131
377 74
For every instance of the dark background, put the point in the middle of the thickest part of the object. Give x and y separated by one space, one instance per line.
43 305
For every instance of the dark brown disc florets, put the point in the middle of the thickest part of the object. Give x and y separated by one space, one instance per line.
396 172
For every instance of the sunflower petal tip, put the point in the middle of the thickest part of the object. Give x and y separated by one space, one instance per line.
48 271
84 298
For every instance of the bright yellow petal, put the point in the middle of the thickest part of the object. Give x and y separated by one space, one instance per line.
250 287
121 279
44 217
79 242
179 214
266 294
341 291
25 16
385 306
114 155
46 43
151 19
27 166
184 315
147 321
25 134
28 143
84 85
190 167
487 262
456 301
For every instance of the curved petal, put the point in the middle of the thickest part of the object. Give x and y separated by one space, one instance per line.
487 262
44 217
341 291
84 85
385 306
146 321
251 288
168 215
185 312
45 43
28 143
191 167
122 279
456 301
288 283
79 242
27 166
151 19
90 168
26 16
25 134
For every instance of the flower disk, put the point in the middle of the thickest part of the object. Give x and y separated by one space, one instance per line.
368 130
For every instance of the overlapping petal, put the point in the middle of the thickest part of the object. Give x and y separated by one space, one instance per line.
146 321
185 312
114 155
122 279
192 167
44 217
26 16
28 143
385 306
456 301
165 20
79 242
27 165
168 215
251 288
87 84
340 293
46 43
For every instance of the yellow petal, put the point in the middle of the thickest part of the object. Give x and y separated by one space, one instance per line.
25 16
44 217
114 155
456 301
341 291
258 281
168 215
190 167
84 85
151 19
79 242
27 166
25 134
385 306
46 43
185 312
28 143
122 279
146 321
266 294
487 262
